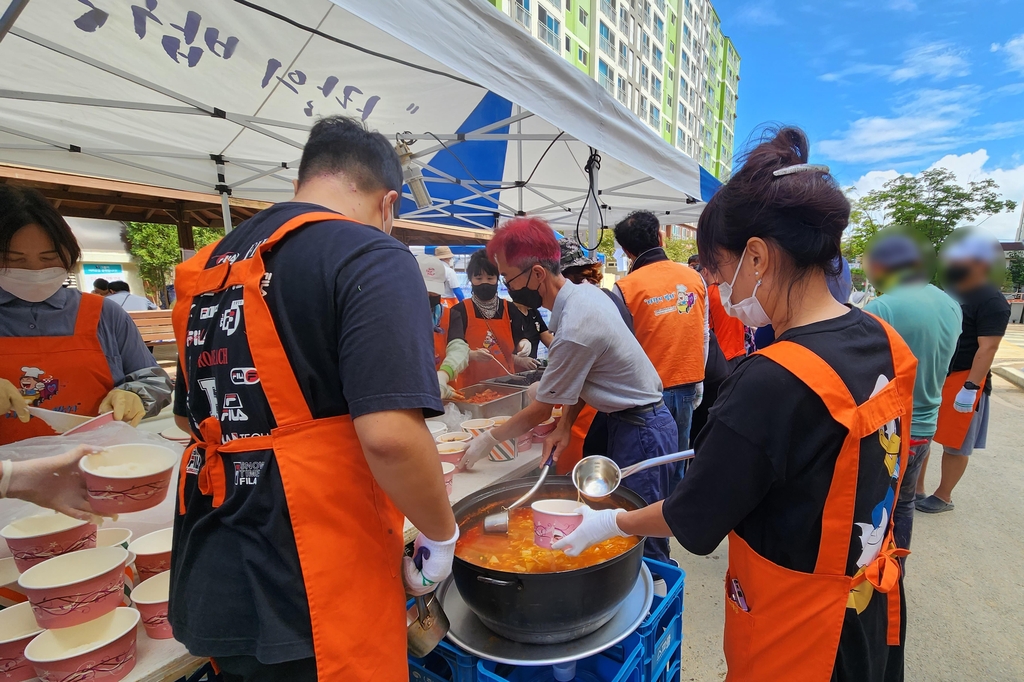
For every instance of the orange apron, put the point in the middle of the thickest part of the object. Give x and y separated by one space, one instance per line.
794 622
574 453
62 373
441 334
494 335
952 425
348 533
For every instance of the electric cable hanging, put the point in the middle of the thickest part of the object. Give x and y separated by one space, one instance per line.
593 163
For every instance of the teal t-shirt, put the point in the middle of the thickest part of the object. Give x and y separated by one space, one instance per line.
929 320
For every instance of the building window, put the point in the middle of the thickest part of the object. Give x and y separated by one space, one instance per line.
656 59
606 39
584 17
645 75
549 28
659 30
523 16
568 4
656 88
568 43
605 76
623 56
583 57
655 117
671 47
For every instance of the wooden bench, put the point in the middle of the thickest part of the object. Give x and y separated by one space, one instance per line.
155 326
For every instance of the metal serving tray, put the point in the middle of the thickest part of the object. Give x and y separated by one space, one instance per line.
510 402
520 379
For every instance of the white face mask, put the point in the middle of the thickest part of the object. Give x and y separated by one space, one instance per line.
32 285
749 310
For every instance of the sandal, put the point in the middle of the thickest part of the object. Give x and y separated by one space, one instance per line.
934 505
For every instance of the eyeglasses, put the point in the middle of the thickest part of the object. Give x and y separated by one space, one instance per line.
506 282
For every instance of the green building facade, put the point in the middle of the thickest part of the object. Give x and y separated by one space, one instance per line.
668 61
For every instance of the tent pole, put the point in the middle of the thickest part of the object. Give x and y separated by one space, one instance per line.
225 192
10 16
594 214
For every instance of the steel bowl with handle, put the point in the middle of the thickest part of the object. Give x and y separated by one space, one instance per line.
544 608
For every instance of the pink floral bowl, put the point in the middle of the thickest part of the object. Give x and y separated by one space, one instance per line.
451 452
17 628
101 650
449 476
543 430
150 598
128 478
35 539
152 553
456 437
75 588
553 520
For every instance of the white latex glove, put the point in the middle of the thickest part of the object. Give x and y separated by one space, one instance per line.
478 448
525 348
54 482
524 363
437 564
447 392
480 355
598 525
127 406
11 400
964 401
699 398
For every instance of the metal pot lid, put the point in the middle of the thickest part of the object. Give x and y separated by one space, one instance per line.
469 633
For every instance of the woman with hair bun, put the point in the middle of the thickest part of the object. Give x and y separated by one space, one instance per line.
800 461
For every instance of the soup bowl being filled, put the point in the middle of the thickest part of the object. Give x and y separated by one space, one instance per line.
553 520
152 553
35 539
101 649
150 598
17 628
532 594
448 470
128 478
75 588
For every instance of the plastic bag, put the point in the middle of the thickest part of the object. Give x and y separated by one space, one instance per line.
116 433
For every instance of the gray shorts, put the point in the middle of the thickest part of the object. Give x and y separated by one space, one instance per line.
977 432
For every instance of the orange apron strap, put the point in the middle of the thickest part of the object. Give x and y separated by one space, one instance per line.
88 319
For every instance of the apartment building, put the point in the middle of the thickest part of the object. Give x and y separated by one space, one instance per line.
668 61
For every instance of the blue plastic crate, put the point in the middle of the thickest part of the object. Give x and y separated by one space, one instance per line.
622 664
662 630
446 663
671 675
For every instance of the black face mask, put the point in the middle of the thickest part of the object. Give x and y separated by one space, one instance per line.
956 274
526 296
485 292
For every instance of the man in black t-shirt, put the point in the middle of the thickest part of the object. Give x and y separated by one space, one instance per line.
529 327
986 314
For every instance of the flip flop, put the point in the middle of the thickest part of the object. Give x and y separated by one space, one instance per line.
934 505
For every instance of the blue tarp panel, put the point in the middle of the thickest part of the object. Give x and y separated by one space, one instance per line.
709 184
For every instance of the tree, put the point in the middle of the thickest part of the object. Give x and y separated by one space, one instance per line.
933 203
1015 269
155 250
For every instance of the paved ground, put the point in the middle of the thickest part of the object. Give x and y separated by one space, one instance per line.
965 579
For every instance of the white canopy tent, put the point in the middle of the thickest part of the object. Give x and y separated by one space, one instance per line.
219 96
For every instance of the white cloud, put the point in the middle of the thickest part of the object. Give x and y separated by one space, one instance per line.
939 61
967 168
762 13
927 121
1014 52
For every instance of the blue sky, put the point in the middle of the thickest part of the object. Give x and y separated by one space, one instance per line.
889 86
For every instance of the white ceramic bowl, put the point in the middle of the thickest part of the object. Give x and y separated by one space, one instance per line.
77 587
101 649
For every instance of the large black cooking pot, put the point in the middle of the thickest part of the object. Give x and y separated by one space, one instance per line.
544 608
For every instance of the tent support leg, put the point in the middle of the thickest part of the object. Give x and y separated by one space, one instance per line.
225 192
10 16
225 209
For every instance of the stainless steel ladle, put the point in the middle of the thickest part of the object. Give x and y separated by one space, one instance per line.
498 522
597 477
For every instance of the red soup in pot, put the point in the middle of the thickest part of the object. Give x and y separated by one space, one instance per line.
516 552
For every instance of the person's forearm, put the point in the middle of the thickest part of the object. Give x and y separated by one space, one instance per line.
570 413
987 347
403 460
456 358
646 522
547 338
524 420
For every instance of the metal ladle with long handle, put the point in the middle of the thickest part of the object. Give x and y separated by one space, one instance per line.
498 522
597 477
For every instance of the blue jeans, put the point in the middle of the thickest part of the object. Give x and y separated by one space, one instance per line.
903 512
634 438
679 401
